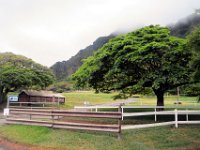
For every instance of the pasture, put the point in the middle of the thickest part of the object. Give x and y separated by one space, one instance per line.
78 99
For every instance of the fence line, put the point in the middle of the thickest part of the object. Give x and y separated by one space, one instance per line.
96 107
175 112
33 105
120 115
28 117
91 108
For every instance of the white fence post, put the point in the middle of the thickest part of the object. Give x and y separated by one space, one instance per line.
176 118
122 113
155 115
96 109
187 115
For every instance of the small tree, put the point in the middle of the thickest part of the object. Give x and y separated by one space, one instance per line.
18 72
148 57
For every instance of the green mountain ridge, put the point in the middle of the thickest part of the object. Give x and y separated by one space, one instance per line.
64 69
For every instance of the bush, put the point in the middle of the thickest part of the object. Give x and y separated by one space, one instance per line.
191 90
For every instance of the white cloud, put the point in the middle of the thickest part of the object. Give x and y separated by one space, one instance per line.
53 30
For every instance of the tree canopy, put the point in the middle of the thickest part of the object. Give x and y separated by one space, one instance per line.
146 58
17 72
194 43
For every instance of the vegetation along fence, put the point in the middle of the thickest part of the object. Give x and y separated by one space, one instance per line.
52 118
135 111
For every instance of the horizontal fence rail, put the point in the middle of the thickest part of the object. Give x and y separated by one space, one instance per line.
67 125
166 110
96 108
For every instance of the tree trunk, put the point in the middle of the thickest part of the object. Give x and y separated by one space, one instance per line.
3 96
160 98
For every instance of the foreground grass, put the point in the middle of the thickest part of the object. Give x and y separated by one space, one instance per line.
159 138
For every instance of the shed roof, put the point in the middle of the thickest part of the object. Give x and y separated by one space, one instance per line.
42 93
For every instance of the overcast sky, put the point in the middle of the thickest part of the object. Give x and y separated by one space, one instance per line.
54 30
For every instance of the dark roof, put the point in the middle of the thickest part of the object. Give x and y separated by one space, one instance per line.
42 93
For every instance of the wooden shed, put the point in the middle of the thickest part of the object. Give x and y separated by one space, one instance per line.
40 96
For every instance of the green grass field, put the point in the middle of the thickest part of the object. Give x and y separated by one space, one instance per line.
186 137
169 100
78 99
159 138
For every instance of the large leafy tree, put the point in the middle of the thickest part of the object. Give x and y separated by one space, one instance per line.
18 72
146 58
194 43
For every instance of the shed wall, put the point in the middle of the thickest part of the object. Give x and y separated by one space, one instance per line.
23 97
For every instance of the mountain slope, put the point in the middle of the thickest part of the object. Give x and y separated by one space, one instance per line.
64 69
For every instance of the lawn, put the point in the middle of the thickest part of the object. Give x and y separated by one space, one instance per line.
78 99
159 138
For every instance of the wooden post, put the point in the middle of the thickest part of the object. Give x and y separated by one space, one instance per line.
119 122
155 115
52 118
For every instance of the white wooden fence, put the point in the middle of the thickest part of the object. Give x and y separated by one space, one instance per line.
168 110
95 108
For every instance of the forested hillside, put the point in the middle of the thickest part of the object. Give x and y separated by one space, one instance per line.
64 69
